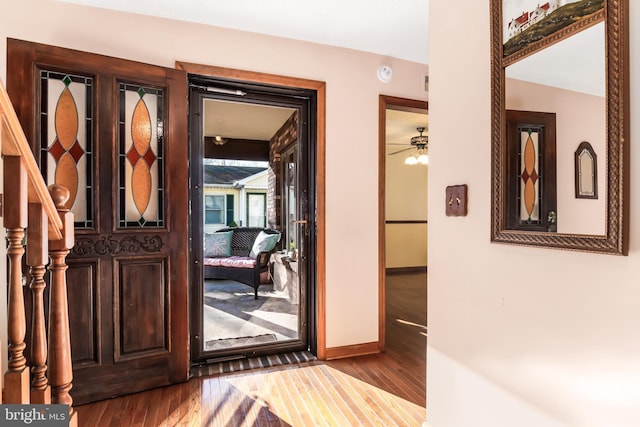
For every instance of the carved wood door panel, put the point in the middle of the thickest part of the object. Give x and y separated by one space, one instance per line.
115 133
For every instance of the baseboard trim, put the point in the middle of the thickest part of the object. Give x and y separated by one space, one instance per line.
406 270
352 350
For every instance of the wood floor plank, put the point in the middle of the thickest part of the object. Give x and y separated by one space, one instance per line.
229 402
162 415
271 398
136 412
303 401
320 399
347 401
112 415
246 391
93 417
358 390
195 407
293 416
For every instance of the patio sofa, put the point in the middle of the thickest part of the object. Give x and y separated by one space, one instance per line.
241 254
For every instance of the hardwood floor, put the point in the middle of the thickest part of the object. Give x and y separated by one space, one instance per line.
384 390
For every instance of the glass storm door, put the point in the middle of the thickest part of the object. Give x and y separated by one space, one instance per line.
259 177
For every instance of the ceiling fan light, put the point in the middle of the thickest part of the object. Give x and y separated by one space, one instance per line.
411 160
420 140
423 159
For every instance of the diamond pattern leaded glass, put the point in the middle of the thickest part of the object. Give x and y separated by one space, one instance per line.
529 176
66 139
141 162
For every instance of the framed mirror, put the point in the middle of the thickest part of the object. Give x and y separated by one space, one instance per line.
568 60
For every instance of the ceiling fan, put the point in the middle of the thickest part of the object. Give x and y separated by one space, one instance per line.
419 143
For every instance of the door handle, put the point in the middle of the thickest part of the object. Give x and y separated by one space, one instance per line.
552 218
305 224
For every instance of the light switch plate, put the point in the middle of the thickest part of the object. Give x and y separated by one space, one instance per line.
456 201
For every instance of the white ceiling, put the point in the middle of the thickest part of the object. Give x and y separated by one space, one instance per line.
402 125
394 28
243 121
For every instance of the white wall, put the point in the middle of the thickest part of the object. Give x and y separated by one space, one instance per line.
406 199
518 336
351 132
406 245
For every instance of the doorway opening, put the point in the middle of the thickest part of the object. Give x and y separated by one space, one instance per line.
252 200
403 156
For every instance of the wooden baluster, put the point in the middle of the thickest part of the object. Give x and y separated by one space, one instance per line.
37 257
60 366
15 220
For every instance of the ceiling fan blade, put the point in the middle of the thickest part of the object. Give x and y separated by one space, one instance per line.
401 151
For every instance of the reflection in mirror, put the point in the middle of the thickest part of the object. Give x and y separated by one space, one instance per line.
586 167
531 149
568 79
579 73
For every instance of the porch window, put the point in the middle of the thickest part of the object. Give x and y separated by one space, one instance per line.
214 209
256 209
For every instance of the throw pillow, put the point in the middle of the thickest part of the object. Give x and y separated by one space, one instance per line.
217 244
264 243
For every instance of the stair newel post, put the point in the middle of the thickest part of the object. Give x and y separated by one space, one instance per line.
60 366
37 258
15 220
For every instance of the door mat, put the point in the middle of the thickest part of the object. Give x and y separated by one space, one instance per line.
226 343
252 363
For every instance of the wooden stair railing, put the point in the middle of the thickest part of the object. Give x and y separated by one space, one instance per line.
29 204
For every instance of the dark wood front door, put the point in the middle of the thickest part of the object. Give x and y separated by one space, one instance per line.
115 133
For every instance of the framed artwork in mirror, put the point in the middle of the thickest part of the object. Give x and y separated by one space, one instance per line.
586 171
579 72
530 25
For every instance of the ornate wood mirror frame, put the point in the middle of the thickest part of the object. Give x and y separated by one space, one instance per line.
615 240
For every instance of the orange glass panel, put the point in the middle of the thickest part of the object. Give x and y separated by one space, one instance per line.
529 175
529 156
141 186
66 119
67 175
141 127
529 196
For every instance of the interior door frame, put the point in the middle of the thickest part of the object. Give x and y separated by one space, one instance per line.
317 324
401 104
